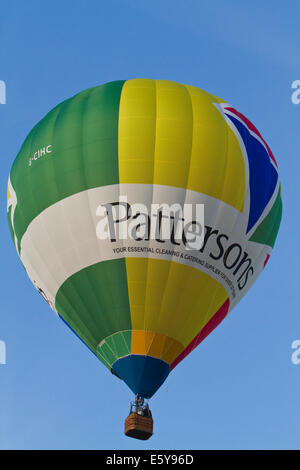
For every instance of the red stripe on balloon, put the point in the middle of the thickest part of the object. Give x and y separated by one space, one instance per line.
206 330
253 129
266 260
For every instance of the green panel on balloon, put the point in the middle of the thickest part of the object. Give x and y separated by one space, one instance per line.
107 355
94 302
81 136
267 231
115 346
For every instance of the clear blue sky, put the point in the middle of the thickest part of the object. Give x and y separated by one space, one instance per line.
239 389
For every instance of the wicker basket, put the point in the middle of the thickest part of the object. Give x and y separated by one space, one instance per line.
139 427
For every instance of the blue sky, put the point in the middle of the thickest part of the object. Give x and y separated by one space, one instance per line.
239 389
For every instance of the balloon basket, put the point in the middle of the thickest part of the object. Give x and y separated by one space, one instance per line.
138 427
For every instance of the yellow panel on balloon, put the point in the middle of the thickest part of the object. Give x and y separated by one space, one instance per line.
176 301
217 166
184 305
167 135
140 341
136 132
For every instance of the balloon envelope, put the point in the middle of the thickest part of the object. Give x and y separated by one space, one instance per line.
80 196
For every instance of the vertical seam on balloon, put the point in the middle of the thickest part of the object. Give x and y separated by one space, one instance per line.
86 194
101 310
221 198
114 353
84 271
213 296
126 345
216 288
183 200
111 319
193 121
103 359
148 258
114 345
119 192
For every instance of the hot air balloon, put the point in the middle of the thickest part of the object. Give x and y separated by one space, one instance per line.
86 195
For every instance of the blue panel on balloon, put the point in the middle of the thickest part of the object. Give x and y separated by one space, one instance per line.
143 374
263 176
